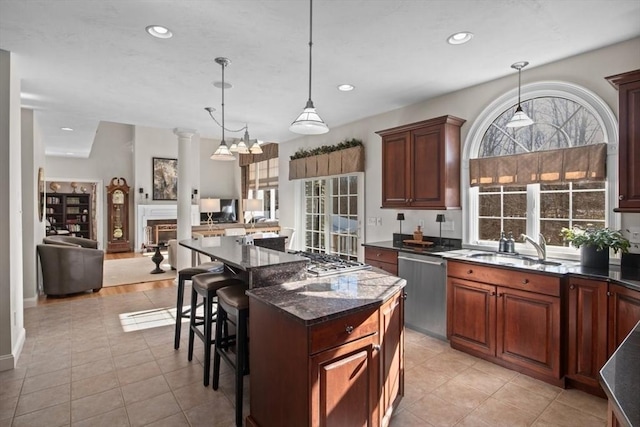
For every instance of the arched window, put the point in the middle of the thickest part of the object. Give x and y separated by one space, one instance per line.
540 178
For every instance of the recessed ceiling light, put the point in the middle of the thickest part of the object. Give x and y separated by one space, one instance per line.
460 38
159 31
227 85
346 87
67 129
69 153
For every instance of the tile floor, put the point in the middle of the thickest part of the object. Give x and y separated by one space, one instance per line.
109 361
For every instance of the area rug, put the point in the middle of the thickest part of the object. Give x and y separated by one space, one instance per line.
134 270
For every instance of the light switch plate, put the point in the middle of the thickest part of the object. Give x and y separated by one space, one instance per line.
371 221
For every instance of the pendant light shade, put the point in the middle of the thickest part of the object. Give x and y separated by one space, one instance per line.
519 119
223 152
309 122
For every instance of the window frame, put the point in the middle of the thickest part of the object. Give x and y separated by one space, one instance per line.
589 100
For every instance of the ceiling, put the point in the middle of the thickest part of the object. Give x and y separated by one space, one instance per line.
82 62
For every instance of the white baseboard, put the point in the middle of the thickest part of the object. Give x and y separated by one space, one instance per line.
30 302
8 361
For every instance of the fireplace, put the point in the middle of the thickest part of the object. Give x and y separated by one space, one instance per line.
160 219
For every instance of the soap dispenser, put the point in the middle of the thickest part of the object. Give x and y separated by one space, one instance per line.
511 244
502 243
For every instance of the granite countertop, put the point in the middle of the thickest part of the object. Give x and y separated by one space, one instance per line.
429 250
319 299
620 379
245 257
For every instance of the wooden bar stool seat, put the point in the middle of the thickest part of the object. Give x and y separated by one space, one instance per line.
206 285
184 275
233 307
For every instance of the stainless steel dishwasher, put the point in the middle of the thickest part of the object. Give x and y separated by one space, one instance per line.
425 308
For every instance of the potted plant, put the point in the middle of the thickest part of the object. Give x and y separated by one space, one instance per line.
594 244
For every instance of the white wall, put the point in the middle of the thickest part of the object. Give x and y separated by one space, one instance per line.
12 332
588 70
217 178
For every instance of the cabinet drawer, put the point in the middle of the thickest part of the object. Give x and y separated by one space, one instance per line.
381 255
389 268
342 330
516 279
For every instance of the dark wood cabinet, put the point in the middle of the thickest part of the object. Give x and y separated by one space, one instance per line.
628 85
510 317
346 371
421 164
624 314
385 259
69 211
586 331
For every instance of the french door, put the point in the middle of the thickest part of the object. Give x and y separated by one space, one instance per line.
332 215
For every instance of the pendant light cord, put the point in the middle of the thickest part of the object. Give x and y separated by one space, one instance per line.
519 84
223 66
310 46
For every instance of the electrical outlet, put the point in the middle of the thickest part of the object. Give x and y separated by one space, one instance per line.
379 221
371 221
448 226
634 235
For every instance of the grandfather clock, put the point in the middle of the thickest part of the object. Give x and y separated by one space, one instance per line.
118 216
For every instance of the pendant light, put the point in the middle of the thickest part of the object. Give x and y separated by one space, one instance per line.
519 119
309 122
223 152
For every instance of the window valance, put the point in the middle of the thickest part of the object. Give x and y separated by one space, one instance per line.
269 151
575 164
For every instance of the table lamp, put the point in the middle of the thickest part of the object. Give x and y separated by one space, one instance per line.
253 206
400 218
209 206
440 220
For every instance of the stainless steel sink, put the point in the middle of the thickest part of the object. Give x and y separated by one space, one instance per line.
511 259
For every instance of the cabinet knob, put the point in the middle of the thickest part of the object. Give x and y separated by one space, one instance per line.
500 295
348 329
572 287
404 295
525 281
492 294
378 254
376 347
609 293
621 197
469 271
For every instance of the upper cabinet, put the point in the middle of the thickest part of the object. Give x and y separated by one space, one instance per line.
628 85
421 164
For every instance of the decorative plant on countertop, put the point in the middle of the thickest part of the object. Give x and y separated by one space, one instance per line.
325 149
600 238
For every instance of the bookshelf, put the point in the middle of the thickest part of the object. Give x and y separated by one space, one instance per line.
71 211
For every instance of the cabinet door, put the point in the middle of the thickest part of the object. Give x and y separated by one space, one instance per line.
395 173
471 316
344 385
427 162
528 330
629 156
624 313
392 354
586 330
386 260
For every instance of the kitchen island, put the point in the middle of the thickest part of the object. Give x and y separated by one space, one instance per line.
327 351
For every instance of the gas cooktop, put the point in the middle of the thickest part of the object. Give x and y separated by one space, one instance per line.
321 264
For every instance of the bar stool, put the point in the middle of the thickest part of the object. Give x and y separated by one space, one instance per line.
233 307
206 285
184 275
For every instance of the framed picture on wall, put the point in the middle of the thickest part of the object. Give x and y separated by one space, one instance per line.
165 179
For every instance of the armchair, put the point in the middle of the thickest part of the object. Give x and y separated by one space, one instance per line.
70 264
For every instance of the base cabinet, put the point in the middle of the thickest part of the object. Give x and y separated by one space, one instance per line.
624 314
514 321
385 259
347 371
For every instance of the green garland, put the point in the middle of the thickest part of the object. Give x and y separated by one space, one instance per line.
325 149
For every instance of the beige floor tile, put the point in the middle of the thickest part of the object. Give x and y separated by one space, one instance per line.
495 370
54 416
499 414
115 418
182 377
437 411
43 399
419 382
536 386
81 357
91 369
584 402
558 414
93 385
446 364
128 346
49 365
145 389
8 407
52 379
211 415
96 404
177 420
480 380
196 394
174 362
132 359
13 374
10 388
460 394
151 410
407 419
138 373
84 345
522 398
472 420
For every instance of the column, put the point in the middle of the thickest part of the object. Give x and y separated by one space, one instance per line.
184 194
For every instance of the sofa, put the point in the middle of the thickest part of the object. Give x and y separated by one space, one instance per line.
70 265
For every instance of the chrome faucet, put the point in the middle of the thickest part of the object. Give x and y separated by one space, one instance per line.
541 248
